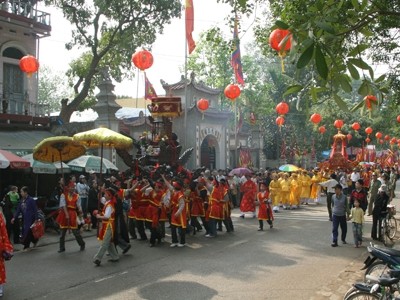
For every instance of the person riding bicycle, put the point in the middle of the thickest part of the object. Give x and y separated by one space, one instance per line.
379 212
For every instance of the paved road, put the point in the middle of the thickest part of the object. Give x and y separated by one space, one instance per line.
294 259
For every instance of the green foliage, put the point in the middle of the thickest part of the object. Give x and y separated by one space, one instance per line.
334 39
52 87
109 32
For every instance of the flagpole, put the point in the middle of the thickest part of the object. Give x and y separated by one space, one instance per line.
186 91
236 132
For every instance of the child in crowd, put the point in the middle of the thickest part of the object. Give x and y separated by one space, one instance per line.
357 215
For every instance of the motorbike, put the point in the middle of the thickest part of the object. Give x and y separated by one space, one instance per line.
380 261
49 210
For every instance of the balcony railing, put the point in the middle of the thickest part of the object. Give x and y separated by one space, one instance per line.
27 10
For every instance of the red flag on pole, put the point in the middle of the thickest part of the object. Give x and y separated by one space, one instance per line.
189 18
236 61
149 91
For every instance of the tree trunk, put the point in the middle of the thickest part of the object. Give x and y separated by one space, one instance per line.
66 111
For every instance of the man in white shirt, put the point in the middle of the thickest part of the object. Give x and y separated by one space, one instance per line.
83 190
330 191
354 176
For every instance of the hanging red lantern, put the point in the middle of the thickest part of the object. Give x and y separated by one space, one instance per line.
203 104
368 130
378 135
338 124
232 91
322 129
276 40
142 59
356 126
369 99
281 41
398 118
393 141
367 140
381 142
280 121
316 118
282 108
398 141
387 137
349 137
29 64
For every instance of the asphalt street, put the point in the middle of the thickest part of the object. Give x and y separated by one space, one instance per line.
294 259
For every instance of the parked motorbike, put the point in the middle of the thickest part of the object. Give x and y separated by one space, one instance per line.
380 261
49 210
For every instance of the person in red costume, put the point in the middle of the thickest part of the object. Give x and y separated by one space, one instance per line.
178 212
6 252
107 229
218 197
264 210
67 218
249 192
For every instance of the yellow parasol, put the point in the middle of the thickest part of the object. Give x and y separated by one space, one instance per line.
103 137
58 148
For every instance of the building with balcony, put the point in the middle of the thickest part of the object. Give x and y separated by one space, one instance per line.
22 26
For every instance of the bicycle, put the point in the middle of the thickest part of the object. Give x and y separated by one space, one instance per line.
389 226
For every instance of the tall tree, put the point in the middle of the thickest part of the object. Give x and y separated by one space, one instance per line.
110 31
52 88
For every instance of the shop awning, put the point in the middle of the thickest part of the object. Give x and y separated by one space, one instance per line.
21 142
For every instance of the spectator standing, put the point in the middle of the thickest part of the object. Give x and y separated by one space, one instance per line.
28 209
373 192
360 194
354 176
83 190
330 186
379 212
340 212
357 215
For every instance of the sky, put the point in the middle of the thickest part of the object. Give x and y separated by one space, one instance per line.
168 50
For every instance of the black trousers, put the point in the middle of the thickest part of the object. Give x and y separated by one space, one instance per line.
174 234
329 204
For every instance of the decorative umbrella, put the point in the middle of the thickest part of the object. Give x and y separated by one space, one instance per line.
289 168
366 163
58 148
103 137
89 163
240 172
9 159
39 167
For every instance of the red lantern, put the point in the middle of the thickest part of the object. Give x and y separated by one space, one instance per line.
356 126
232 91
282 108
393 141
398 141
398 118
338 124
315 118
142 59
280 121
381 142
349 136
29 64
203 104
276 40
369 99
368 130
322 129
387 137
378 135
367 140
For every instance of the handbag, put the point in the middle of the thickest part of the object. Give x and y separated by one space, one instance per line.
37 229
